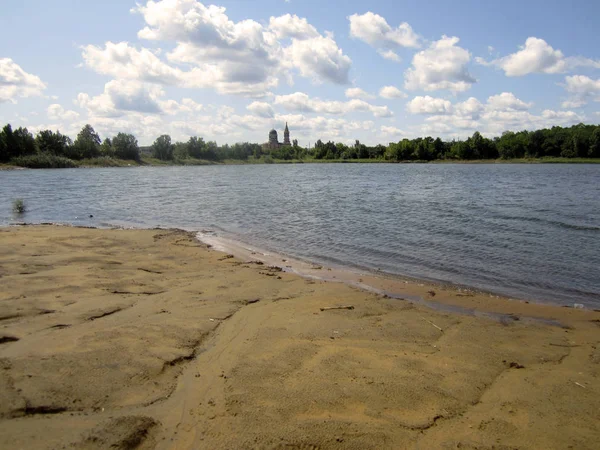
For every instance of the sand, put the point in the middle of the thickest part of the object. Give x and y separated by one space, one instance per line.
150 339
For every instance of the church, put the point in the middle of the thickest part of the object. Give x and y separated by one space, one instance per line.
274 143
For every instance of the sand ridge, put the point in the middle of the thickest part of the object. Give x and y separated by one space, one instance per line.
149 339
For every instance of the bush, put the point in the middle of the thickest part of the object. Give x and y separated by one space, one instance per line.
43 161
19 206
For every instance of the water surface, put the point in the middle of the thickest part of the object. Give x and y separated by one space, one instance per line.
525 231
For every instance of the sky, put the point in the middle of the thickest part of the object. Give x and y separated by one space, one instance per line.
229 71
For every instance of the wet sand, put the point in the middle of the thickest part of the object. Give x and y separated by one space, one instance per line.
149 339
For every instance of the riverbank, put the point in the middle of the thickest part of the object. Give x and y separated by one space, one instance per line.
149 337
148 161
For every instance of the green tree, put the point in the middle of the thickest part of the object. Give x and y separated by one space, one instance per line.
196 148
106 148
180 151
7 143
594 151
87 144
125 146
56 144
162 148
24 142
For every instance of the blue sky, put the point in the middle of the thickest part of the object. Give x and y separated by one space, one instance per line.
231 70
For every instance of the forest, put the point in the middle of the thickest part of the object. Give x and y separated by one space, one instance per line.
49 149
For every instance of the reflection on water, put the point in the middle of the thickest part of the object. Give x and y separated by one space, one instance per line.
527 231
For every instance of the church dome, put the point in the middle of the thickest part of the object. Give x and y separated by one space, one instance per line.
273 139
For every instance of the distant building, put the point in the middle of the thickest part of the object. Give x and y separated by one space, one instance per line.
286 135
274 143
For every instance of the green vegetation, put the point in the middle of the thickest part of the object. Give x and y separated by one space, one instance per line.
19 206
43 161
48 149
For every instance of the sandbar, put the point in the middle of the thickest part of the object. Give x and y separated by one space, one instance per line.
114 338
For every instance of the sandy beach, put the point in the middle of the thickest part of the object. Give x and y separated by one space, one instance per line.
152 339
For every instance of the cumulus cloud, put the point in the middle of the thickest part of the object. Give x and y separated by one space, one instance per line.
122 96
292 26
507 101
391 92
242 58
429 105
15 82
581 89
537 56
390 54
375 31
500 113
358 93
389 131
442 66
300 102
57 112
261 109
471 108
319 58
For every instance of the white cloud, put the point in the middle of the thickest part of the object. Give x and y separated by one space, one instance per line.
442 66
292 26
358 93
261 109
15 82
123 61
390 54
300 102
319 58
389 131
242 58
500 113
375 31
429 105
537 56
123 96
391 92
581 89
57 112
471 108
507 102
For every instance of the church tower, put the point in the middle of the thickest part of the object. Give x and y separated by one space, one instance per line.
286 135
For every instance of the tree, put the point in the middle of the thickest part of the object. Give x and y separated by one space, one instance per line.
594 151
196 148
7 143
106 148
53 143
125 146
211 150
162 148
180 151
87 144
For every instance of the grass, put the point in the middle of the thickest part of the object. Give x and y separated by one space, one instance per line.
43 161
106 161
18 206
543 160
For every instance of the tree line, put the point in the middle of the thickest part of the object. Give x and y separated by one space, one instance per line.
53 149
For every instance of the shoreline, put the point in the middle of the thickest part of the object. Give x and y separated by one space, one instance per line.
151 162
149 338
454 298
439 296
458 299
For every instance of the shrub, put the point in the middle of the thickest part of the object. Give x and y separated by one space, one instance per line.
43 161
19 206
